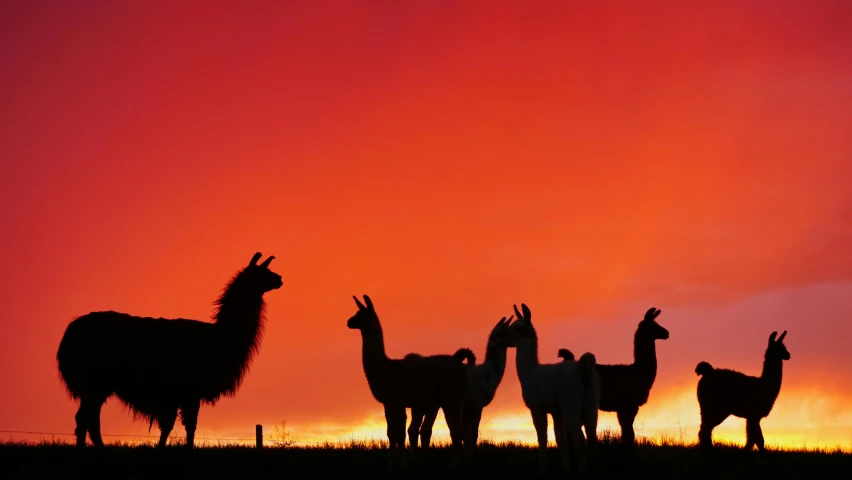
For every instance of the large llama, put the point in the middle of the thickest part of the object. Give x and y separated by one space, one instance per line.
723 392
483 380
158 366
417 382
568 391
625 388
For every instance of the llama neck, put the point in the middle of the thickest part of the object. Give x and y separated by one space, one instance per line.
771 376
495 355
526 357
645 355
241 320
373 356
495 360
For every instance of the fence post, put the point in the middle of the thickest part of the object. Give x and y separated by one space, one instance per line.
258 435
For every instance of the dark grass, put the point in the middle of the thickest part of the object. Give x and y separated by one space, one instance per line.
369 459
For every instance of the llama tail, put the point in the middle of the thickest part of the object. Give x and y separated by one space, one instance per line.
587 364
463 354
703 368
566 354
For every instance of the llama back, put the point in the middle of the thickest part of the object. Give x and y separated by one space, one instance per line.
728 380
429 379
548 381
738 392
621 385
102 353
567 378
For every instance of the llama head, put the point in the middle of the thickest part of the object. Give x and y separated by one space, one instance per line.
649 328
522 329
500 336
776 349
365 319
259 278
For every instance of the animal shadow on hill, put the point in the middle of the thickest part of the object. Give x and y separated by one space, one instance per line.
625 388
161 367
422 383
722 393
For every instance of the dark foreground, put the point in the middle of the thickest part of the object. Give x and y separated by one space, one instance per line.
493 462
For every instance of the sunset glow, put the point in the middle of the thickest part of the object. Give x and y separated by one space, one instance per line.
591 160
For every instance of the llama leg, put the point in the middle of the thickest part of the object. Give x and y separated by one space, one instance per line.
749 434
560 433
95 423
80 431
709 421
414 430
400 437
626 417
578 441
166 422
88 420
395 418
189 419
453 416
754 434
471 416
539 419
426 429
590 423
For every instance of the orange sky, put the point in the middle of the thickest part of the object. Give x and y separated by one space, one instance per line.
590 160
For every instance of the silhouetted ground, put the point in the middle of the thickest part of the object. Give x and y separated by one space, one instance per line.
54 460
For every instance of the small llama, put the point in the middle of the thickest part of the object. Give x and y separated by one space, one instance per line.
722 393
483 380
418 382
625 388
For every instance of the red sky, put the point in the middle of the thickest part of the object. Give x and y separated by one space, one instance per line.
588 159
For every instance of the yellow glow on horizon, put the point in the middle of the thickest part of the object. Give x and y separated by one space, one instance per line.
807 419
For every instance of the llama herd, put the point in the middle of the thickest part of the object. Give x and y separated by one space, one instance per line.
161 368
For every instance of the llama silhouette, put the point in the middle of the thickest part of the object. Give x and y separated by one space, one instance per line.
723 392
625 388
418 382
158 366
568 391
483 380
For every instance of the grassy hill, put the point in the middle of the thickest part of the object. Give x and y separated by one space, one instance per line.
359 459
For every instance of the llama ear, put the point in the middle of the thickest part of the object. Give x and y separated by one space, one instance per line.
781 338
369 303
651 314
517 313
255 258
358 302
772 338
527 314
265 263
